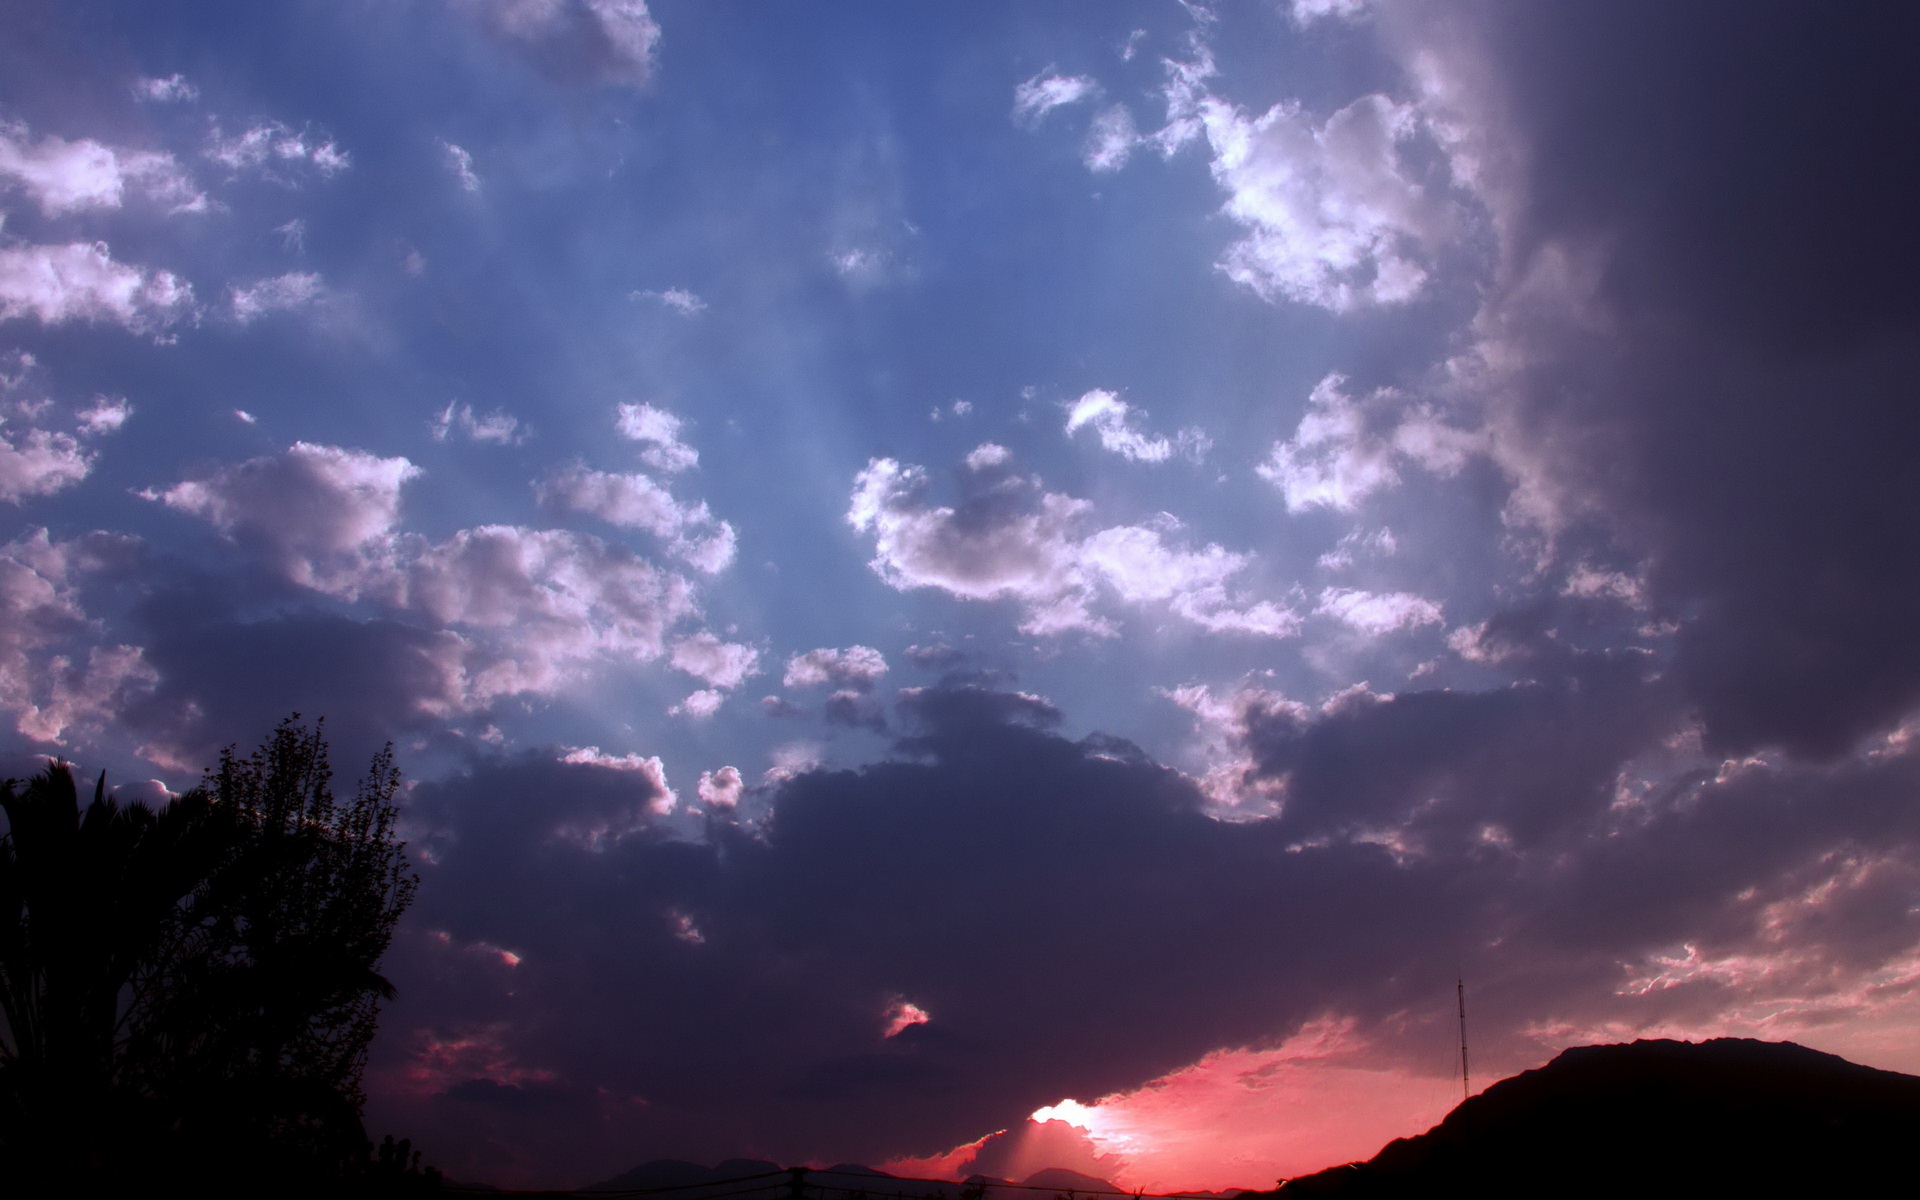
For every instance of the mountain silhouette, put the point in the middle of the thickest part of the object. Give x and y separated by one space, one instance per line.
751 1179
1729 1117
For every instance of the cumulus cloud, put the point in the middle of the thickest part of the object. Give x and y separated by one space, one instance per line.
282 293
461 164
496 427
1112 420
509 610
1348 447
858 667
1338 213
722 665
67 176
277 151
322 514
37 456
1699 351
1011 539
1378 612
658 431
1043 93
167 89
81 281
55 672
990 802
602 41
722 788
632 501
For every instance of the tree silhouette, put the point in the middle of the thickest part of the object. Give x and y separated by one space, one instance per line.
190 992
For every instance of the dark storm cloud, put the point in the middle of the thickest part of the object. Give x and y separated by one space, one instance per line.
1710 278
1073 920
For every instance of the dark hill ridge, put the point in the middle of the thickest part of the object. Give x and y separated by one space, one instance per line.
1728 1117
751 1179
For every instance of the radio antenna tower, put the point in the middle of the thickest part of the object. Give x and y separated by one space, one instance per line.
1466 1086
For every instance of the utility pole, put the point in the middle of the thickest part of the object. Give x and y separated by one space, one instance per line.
1466 1087
796 1183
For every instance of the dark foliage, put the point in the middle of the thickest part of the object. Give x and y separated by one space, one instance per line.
1730 1117
189 993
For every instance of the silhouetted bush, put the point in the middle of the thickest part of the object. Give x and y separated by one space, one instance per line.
188 994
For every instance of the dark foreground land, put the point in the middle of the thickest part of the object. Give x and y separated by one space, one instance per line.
1731 1118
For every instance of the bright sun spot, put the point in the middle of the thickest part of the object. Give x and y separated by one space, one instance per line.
1071 1111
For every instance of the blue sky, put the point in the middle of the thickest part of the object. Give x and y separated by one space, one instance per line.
1396 451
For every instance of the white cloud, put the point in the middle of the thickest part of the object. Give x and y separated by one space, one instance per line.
679 300
1111 140
1012 540
791 759
167 89
106 415
660 431
1378 612
614 40
321 513
649 768
63 176
986 456
722 788
1334 211
519 611
1348 447
699 704
281 293
1308 12
722 665
81 281
636 502
496 427
858 666
39 462
271 147
1043 93
462 164
44 681
1111 418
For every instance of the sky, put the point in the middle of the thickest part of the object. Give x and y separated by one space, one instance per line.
978 586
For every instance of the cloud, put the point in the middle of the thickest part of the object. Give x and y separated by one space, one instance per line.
659 431
68 176
1111 140
1198 916
598 41
1043 93
679 300
1111 418
722 788
497 610
496 427
54 671
1348 447
1011 539
169 89
461 163
277 152
1338 213
722 665
321 514
282 293
858 667
39 462
636 502
1378 612
81 281
1698 354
